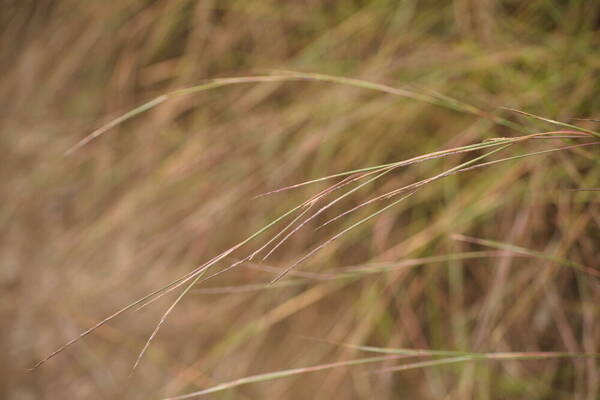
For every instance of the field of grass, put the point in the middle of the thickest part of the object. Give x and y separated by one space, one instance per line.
300 199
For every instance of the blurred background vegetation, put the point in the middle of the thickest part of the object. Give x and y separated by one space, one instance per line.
84 234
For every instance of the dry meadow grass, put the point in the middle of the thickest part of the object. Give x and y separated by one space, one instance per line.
469 272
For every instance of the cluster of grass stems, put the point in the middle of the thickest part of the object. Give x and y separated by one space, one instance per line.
311 208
